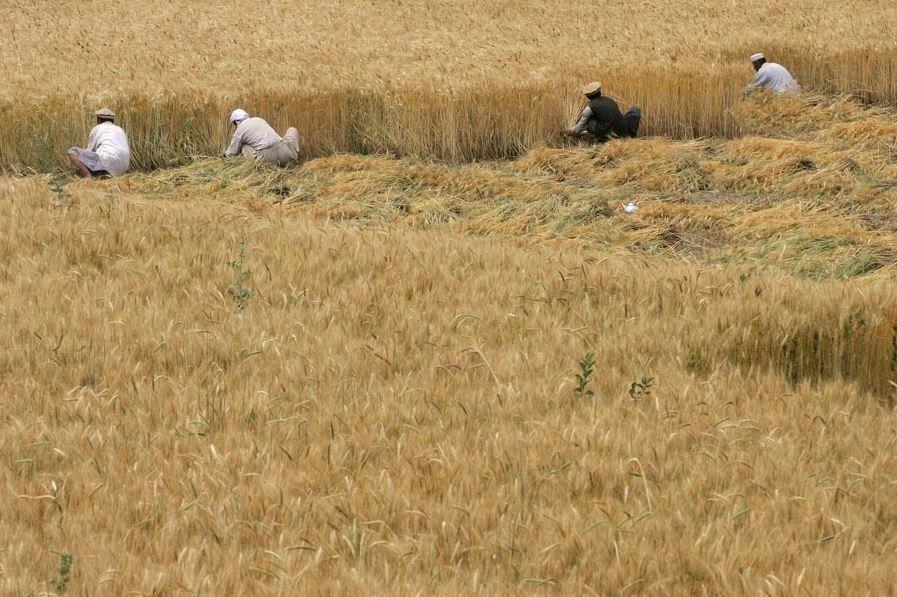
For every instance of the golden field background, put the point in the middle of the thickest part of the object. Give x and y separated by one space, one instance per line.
369 372
160 46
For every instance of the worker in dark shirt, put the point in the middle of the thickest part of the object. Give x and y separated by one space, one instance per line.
601 119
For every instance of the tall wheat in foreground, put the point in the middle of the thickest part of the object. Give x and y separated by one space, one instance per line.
207 398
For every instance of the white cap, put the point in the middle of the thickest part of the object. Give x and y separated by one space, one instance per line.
238 115
757 56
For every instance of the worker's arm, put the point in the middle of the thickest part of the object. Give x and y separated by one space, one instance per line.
236 145
762 79
92 143
580 126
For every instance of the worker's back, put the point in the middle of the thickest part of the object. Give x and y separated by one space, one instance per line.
776 77
606 118
257 133
110 142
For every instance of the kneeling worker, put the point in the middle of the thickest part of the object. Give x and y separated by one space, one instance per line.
107 153
255 139
602 118
771 76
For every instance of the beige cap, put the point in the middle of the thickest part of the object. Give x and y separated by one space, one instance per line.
591 88
104 113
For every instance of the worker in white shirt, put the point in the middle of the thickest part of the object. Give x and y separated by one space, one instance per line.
771 76
107 152
255 139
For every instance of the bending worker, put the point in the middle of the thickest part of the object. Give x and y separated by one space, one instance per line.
602 118
771 76
255 139
107 153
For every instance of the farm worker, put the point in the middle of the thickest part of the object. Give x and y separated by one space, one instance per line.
255 139
771 76
107 152
602 119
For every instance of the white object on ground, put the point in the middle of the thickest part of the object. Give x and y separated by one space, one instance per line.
631 207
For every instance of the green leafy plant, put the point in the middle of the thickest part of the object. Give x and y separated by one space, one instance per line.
641 389
238 290
586 368
61 582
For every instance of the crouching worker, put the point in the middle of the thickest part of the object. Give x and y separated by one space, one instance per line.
771 76
601 119
107 153
255 139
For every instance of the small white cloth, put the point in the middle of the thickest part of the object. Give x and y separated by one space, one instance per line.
110 142
776 77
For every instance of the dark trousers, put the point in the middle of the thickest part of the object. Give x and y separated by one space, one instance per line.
632 118
623 127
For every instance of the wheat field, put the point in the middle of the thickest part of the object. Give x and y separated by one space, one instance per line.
159 46
436 357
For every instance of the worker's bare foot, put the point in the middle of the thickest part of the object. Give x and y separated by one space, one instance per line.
81 169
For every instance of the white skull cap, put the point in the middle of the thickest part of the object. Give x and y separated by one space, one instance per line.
238 115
